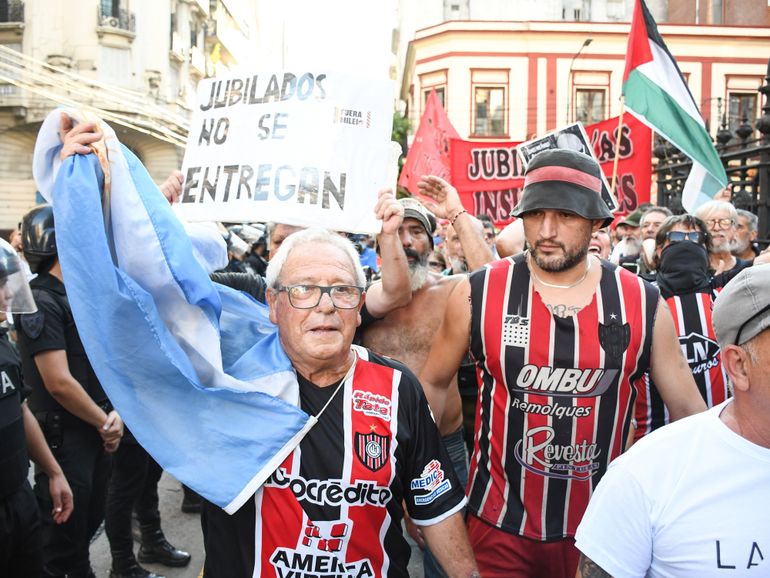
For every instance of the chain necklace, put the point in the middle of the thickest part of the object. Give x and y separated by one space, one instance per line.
554 285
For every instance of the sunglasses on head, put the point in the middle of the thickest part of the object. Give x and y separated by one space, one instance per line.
679 236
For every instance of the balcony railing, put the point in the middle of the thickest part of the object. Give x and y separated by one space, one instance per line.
124 20
11 12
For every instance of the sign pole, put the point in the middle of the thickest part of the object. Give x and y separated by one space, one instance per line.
617 147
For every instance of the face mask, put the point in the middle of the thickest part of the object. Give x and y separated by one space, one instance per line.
684 268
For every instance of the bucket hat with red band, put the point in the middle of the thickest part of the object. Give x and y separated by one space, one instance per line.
564 180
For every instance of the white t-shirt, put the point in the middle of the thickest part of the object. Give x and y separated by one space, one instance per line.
692 499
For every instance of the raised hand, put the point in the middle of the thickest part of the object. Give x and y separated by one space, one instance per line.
389 211
76 139
172 186
446 201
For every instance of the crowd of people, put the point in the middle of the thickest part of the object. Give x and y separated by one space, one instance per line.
496 393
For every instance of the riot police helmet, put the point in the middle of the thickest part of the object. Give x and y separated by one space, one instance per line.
38 238
15 294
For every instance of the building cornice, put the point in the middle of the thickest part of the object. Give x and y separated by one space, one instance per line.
583 28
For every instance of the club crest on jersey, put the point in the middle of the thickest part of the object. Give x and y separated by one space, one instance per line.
371 404
432 482
516 330
537 453
372 449
614 337
700 351
564 381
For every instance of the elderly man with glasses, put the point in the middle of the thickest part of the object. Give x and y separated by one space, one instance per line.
721 219
335 505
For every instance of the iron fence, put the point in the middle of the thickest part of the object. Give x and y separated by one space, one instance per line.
745 154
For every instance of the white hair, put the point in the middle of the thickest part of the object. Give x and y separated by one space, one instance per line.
316 236
711 207
752 220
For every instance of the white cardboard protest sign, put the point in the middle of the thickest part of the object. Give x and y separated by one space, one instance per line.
296 147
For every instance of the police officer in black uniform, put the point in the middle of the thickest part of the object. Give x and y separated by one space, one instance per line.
78 422
20 531
134 484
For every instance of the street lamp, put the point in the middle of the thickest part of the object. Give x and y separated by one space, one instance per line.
586 42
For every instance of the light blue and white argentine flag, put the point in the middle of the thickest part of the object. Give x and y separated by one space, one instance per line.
195 369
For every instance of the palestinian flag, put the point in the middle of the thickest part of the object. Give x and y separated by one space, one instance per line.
655 92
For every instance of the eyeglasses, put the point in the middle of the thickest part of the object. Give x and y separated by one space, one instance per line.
436 264
679 236
720 223
309 296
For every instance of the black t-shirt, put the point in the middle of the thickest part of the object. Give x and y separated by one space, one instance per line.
726 276
52 328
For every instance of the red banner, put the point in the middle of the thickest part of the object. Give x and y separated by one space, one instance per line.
429 153
488 175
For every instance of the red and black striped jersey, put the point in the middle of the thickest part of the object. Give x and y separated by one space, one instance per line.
334 506
556 394
692 320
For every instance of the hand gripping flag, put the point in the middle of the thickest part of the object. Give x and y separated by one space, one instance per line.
655 92
195 369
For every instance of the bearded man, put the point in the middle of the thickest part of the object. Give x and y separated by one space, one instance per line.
560 339
721 219
746 232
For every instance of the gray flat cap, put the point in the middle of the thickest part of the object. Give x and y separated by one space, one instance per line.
742 309
414 209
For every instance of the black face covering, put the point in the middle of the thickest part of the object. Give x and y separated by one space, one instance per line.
684 268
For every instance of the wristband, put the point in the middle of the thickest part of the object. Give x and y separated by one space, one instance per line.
453 219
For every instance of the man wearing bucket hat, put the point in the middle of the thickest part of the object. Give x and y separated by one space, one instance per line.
675 521
560 339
